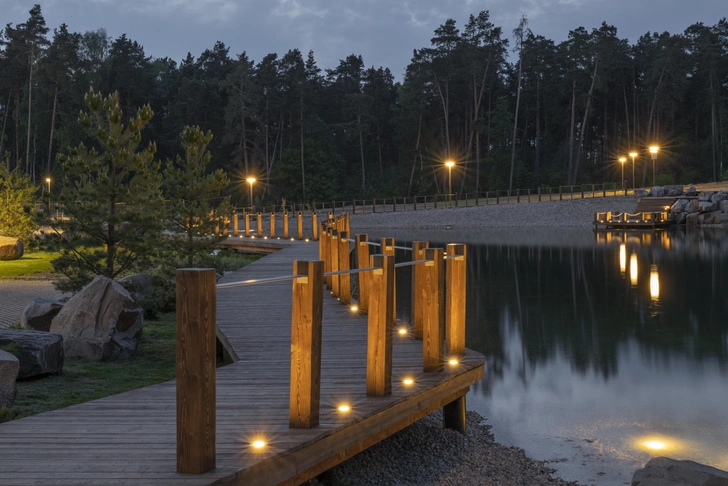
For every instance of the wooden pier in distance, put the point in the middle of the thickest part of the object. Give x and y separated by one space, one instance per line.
132 438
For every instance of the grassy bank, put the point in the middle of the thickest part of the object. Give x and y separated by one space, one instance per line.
33 263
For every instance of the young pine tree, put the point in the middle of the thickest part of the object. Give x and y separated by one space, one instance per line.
111 195
17 204
195 208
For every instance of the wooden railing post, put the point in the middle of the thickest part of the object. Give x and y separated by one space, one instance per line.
326 257
196 408
344 280
380 326
362 260
387 248
272 225
285 224
236 223
306 323
299 225
432 352
604 189
259 228
582 191
455 271
416 313
334 249
539 193
561 193
314 226
247 223
374 205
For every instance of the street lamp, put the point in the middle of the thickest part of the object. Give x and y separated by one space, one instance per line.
449 164
48 180
623 160
653 152
633 154
251 180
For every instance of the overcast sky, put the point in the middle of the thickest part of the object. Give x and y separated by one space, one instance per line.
384 32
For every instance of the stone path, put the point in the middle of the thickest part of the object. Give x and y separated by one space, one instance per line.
16 294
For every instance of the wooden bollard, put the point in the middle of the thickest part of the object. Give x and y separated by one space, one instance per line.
334 255
374 205
236 229
432 353
299 225
539 194
314 227
326 257
604 190
344 280
285 224
561 193
196 408
582 191
259 222
348 223
272 225
380 326
418 253
455 272
387 248
246 216
362 260
306 323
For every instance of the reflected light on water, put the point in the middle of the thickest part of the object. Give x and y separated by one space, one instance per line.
633 269
654 283
623 258
657 444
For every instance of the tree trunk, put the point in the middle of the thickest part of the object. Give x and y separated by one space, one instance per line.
445 108
537 164
53 126
515 121
586 118
713 129
570 168
626 114
303 169
2 135
267 143
379 148
361 151
30 91
650 120
417 150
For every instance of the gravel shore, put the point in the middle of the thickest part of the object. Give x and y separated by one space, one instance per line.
572 213
426 454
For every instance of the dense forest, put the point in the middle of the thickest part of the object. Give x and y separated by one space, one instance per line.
512 109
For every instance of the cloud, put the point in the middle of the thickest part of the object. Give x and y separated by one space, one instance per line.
204 10
294 9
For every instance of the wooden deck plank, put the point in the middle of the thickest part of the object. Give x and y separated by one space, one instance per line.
130 438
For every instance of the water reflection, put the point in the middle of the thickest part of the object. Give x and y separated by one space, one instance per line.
593 370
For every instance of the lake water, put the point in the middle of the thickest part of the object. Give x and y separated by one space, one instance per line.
603 349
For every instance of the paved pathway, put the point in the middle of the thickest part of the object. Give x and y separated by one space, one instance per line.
16 294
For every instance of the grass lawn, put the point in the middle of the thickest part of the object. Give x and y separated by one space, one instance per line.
83 380
32 263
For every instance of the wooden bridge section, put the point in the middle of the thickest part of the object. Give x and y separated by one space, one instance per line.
131 438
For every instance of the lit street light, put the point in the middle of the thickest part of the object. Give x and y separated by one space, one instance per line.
48 180
653 152
251 180
449 164
633 154
623 160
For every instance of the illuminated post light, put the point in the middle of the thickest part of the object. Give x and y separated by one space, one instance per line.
250 181
408 381
653 152
654 283
402 331
453 362
623 258
623 160
354 308
449 164
633 269
344 408
258 444
633 154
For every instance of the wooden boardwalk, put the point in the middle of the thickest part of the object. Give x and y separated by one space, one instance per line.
130 438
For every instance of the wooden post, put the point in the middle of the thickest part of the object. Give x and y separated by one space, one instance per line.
247 224
518 195
387 248
348 223
272 225
418 253
285 224
604 190
380 326
432 352
299 225
561 193
455 271
414 200
306 323
344 280
394 204
259 228
236 223
314 226
497 198
374 205
334 249
453 415
435 198
196 408
582 191
326 236
362 260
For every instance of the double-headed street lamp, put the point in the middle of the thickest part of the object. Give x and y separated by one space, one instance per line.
449 164
653 151
623 160
250 181
633 154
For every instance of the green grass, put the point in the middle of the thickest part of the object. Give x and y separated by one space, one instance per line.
83 380
32 263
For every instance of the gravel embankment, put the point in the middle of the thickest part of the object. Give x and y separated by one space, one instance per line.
574 213
426 454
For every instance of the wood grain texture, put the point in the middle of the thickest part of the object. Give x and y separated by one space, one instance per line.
272 230
314 227
299 226
247 224
455 269
381 326
344 264
362 261
259 225
387 248
236 222
285 225
334 255
196 318
418 253
432 346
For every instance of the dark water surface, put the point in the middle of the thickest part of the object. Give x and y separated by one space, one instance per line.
603 350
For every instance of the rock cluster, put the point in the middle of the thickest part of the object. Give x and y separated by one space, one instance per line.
9 367
40 353
11 248
709 208
663 471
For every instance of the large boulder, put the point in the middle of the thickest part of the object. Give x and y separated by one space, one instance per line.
663 471
40 353
706 206
679 206
9 367
692 218
673 191
693 206
101 322
719 197
724 206
11 248
680 218
657 191
705 195
691 191
39 314
641 193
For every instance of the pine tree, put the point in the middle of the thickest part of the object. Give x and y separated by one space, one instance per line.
17 204
111 194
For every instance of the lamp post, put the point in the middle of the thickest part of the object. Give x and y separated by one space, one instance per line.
653 151
633 154
449 164
48 180
623 160
251 180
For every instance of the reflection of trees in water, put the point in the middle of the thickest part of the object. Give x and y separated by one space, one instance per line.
579 302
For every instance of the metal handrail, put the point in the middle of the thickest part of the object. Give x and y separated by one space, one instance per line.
409 264
257 281
346 272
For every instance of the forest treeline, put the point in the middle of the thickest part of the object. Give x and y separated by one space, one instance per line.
547 114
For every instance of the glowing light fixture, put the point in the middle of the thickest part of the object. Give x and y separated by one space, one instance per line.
453 362
653 152
623 258
408 381
258 444
449 163
633 269
343 408
402 331
306 240
354 308
654 283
